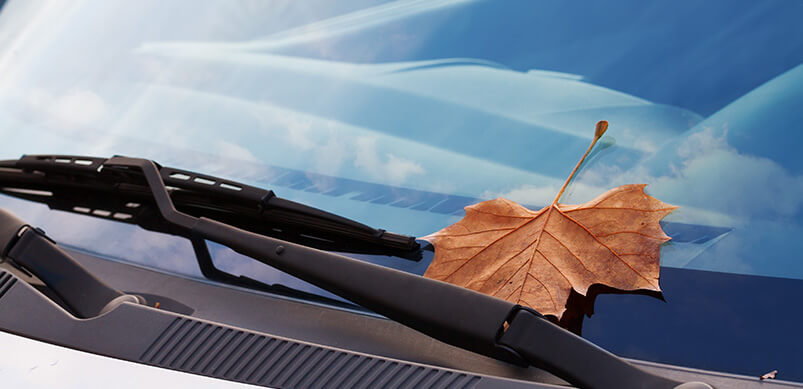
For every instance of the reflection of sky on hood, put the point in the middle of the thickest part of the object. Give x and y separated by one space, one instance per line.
404 139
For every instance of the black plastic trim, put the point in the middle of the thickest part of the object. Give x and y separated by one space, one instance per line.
178 342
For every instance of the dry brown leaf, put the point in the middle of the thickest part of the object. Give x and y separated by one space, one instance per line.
536 258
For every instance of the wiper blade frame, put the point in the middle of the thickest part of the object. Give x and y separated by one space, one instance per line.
247 207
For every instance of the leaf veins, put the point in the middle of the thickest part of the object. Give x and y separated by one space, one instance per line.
536 258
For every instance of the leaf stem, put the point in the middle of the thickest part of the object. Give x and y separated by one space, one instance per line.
602 126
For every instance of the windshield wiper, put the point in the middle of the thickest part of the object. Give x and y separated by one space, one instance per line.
452 314
87 185
84 185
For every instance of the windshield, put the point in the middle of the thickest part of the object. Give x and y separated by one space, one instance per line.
398 114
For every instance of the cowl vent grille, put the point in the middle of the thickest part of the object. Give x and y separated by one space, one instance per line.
217 351
6 282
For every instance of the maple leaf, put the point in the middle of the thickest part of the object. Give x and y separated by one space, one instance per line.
536 258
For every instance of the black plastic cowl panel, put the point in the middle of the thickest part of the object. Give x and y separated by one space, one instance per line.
166 339
217 351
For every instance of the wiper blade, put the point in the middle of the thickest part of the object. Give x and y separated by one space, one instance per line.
452 314
85 185
82 185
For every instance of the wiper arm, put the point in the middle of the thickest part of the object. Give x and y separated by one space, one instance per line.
452 314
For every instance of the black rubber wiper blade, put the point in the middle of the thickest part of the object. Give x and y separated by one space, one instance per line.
82 185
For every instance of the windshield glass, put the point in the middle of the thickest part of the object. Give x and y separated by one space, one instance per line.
398 114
